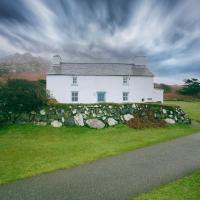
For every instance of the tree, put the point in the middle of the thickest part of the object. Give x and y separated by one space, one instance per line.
191 87
21 96
165 87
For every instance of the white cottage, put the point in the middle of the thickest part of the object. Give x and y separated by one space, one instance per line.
102 82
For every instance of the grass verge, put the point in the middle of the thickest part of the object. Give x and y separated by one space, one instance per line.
192 108
186 188
27 150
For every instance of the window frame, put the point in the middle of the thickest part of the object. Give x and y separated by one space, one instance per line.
125 97
76 97
101 92
125 80
74 78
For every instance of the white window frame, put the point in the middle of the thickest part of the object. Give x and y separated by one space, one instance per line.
74 80
74 98
125 96
125 80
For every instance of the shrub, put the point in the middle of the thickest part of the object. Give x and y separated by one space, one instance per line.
21 96
147 121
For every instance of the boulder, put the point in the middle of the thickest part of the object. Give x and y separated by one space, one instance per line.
170 121
127 117
78 119
69 121
95 123
112 122
56 124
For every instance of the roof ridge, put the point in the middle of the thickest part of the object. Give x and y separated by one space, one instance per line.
96 63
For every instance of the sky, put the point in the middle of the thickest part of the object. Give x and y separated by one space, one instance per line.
167 32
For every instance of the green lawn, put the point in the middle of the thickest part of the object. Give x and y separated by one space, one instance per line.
191 108
27 150
187 188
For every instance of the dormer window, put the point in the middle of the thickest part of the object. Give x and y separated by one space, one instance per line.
74 80
125 80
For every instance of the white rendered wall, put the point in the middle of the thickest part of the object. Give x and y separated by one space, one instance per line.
158 95
60 87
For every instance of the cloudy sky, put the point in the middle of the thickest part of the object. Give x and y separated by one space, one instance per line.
167 32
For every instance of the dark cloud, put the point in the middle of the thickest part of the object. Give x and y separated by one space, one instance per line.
166 31
13 11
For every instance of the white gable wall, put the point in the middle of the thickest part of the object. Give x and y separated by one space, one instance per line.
60 87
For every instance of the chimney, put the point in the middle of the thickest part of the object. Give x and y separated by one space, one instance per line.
56 60
139 60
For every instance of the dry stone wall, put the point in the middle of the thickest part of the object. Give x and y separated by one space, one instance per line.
100 115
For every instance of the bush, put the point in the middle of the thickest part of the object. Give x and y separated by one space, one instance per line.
149 121
21 96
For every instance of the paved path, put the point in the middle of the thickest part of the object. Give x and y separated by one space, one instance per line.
118 177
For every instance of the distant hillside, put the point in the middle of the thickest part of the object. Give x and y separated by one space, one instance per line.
23 66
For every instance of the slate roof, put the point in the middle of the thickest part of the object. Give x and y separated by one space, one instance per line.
99 69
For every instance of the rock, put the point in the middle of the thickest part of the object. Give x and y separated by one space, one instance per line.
41 123
78 119
112 122
74 111
133 105
164 111
69 121
104 118
56 124
42 112
86 112
127 117
169 121
95 123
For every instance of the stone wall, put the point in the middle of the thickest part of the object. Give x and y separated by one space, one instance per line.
99 115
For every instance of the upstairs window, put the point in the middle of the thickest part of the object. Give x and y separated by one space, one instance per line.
125 80
74 96
74 80
125 96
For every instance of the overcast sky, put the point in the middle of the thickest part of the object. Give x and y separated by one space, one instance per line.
166 31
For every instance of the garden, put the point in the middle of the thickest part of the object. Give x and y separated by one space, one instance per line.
31 145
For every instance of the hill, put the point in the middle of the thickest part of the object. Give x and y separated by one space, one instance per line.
23 66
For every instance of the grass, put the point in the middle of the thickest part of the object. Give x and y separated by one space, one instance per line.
192 108
27 150
187 188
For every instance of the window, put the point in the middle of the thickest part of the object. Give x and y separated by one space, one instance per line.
125 96
74 80
101 96
125 80
74 96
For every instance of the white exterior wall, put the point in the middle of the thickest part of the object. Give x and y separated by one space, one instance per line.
60 87
158 95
